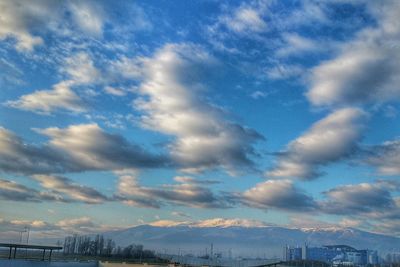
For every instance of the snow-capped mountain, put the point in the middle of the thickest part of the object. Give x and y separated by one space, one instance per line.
245 240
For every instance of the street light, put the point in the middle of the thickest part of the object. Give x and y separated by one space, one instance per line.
20 235
27 229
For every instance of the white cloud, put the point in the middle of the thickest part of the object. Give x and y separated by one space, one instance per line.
295 44
81 70
45 101
17 16
12 191
88 16
24 21
54 188
76 148
172 80
82 222
308 222
180 214
386 157
367 70
223 222
245 19
114 91
278 194
363 198
285 71
328 140
10 229
214 222
89 147
127 68
187 192
258 94
18 156
72 190
346 222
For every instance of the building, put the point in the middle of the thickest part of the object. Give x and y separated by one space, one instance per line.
324 254
373 257
292 253
340 255
392 257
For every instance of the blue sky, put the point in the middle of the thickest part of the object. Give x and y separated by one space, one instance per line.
160 112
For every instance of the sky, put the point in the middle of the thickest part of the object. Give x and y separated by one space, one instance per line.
210 112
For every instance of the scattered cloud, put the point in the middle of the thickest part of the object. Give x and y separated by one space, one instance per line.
328 140
367 69
258 94
186 192
278 194
19 157
373 206
16 19
245 19
10 229
82 223
181 214
114 91
295 44
76 148
12 191
191 180
210 223
63 185
90 147
359 198
45 101
284 71
222 222
18 225
25 21
306 221
172 105
53 188
386 157
80 69
88 16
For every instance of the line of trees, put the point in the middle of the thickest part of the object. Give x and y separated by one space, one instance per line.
99 246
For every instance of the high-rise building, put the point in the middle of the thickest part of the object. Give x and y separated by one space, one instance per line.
292 253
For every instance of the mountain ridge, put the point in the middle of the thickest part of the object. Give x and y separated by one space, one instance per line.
248 240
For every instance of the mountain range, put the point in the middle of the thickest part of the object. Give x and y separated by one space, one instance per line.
246 240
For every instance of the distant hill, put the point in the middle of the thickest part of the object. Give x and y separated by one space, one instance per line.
247 240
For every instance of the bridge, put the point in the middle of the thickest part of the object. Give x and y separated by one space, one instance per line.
16 246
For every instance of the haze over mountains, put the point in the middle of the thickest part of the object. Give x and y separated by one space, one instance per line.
243 239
